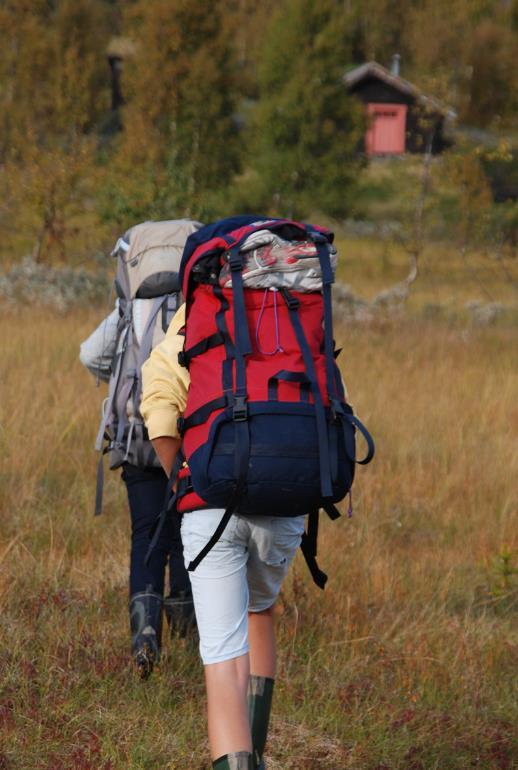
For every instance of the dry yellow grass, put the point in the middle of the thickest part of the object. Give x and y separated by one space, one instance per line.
407 659
447 278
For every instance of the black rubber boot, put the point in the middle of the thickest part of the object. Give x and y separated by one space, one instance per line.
146 630
241 760
179 612
260 694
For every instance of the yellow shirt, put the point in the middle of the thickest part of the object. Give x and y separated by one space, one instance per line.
165 383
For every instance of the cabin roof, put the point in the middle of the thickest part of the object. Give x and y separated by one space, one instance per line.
374 70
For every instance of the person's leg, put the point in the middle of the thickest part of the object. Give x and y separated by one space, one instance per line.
178 606
145 610
261 637
178 575
146 490
272 546
220 593
227 708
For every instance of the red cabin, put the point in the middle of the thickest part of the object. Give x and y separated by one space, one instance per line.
400 117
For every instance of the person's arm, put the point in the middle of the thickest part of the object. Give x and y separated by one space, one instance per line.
166 448
164 393
97 351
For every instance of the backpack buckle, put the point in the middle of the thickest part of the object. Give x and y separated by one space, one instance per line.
292 302
235 261
240 410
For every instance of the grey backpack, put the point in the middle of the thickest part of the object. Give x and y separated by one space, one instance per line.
147 286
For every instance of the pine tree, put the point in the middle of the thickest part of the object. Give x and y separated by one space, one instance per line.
55 90
307 128
180 143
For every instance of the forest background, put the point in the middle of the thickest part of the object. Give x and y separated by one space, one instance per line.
232 105
408 659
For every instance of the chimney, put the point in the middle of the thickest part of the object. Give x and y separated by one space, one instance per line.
394 67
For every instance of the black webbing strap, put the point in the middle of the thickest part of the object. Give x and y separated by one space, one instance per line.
241 456
138 439
184 486
227 379
308 547
167 506
325 466
202 414
327 281
214 539
366 435
242 347
349 442
332 511
286 376
241 335
333 378
185 356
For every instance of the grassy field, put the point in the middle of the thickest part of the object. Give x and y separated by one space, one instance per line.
447 280
409 658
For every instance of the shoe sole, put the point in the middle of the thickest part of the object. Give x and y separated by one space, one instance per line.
144 662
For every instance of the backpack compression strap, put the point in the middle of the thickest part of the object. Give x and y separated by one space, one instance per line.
242 347
308 547
292 303
332 376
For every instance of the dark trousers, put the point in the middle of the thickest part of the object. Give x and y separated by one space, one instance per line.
146 491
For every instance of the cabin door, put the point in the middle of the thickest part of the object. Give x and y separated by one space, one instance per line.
386 132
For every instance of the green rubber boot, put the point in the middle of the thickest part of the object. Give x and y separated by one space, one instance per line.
260 694
241 760
179 612
146 630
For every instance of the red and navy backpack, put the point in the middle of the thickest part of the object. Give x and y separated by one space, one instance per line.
263 432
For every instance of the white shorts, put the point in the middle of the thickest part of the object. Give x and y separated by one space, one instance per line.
242 573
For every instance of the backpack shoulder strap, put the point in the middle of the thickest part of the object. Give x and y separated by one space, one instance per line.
114 380
120 350
136 431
